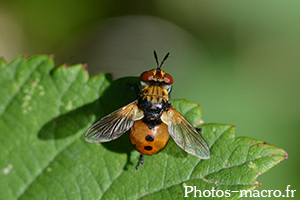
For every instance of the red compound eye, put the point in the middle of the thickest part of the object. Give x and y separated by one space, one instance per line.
147 76
168 78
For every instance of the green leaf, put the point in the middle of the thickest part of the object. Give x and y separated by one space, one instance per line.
44 113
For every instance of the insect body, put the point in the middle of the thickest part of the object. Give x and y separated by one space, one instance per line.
151 118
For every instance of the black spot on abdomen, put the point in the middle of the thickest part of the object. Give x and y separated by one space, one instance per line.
149 138
148 148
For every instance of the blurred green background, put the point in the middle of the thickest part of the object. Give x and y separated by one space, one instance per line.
238 59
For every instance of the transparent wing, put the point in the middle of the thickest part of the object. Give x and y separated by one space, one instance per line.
113 125
185 135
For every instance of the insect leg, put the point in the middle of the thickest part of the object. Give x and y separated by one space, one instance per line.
135 87
140 162
199 129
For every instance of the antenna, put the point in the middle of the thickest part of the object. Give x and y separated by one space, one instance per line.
157 62
165 58
156 59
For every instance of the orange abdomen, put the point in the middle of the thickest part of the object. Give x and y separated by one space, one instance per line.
149 141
